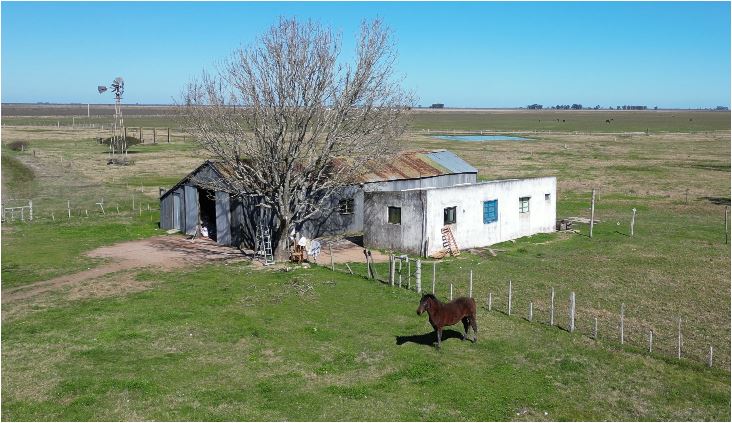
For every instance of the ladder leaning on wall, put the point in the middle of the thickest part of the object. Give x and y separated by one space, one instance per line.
448 241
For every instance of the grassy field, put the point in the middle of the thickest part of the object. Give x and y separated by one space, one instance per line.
509 120
230 342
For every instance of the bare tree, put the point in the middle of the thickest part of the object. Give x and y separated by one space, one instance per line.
293 122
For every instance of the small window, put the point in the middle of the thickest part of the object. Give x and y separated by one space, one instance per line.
345 206
395 215
490 211
547 197
524 204
450 214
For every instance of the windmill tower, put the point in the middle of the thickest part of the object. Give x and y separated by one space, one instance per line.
118 142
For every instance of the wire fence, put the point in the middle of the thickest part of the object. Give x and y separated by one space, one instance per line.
677 337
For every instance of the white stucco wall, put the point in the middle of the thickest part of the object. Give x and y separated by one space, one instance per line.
469 229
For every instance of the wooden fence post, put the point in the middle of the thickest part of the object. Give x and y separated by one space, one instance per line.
571 311
68 207
592 215
168 135
679 340
551 310
725 224
434 271
509 297
470 286
450 292
594 330
400 272
711 353
531 311
622 323
391 269
330 251
409 274
490 301
650 341
418 276
155 135
632 223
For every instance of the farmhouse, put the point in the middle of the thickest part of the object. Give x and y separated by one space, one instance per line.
402 204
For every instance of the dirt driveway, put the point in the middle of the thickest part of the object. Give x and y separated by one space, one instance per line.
167 253
163 252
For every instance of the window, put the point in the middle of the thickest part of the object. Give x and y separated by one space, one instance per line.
450 213
395 215
490 211
345 206
547 197
524 204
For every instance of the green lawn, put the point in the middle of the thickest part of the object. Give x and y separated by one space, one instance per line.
230 343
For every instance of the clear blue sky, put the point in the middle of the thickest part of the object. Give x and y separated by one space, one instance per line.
669 54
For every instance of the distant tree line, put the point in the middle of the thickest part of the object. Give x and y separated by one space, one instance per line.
577 106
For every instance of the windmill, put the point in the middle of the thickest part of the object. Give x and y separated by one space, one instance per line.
118 140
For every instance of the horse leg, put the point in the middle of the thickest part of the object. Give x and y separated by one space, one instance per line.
439 338
474 323
466 325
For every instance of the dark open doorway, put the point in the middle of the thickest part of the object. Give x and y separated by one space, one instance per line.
207 207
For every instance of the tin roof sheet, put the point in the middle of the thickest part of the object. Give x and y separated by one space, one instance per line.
417 164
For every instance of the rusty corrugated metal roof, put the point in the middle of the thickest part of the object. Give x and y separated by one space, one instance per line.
417 164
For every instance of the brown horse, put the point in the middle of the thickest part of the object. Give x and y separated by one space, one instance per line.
446 314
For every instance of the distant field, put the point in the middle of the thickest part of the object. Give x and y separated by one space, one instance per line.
421 120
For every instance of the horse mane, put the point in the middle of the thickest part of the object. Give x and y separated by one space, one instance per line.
431 296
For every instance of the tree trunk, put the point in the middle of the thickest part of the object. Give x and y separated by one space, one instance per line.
282 250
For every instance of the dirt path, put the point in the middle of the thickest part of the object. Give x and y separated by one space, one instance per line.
165 252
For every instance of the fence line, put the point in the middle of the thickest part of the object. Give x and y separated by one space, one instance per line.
638 337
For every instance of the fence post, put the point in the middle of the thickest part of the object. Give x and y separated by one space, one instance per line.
330 251
490 301
434 271
30 207
409 274
711 353
632 223
155 135
470 286
551 310
450 292
622 323
418 276
68 208
400 272
679 340
168 135
509 297
650 341
531 311
592 215
594 330
571 312
725 224
391 269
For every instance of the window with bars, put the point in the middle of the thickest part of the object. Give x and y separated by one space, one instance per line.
490 211
345 206
524 204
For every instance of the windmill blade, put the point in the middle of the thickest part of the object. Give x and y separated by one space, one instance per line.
101 88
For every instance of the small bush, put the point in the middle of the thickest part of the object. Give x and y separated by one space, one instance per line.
18 145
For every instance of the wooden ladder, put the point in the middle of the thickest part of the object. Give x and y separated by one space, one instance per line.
448 241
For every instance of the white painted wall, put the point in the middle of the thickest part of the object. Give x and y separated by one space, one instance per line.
469 229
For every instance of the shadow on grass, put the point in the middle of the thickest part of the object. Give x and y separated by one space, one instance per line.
428 338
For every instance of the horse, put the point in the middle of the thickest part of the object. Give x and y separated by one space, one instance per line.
446 314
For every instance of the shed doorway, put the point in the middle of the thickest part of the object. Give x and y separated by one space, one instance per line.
207 210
